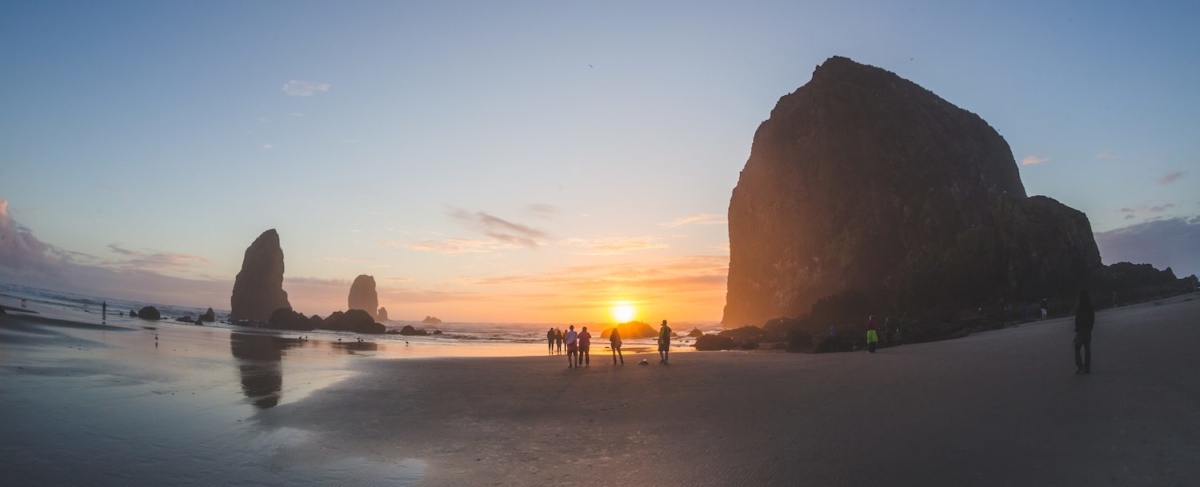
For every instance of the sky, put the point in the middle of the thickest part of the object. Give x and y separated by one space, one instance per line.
529 161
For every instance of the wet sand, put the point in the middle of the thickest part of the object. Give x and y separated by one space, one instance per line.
85 404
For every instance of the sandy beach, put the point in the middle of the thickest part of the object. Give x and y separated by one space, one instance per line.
100 405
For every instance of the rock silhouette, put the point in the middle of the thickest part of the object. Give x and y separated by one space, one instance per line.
355 320
149 313
382 315
363 296
632 330
208 316
863 182
431 320
286 319
258 288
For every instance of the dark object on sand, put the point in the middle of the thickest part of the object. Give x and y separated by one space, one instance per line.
714 342
258 288
149 313
863 181
409 330
208 316
363 296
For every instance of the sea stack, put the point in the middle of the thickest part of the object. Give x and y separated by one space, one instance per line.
258 288
863 182
363 296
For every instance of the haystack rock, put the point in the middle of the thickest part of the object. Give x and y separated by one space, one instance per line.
382 314
258 289
863 182
363 296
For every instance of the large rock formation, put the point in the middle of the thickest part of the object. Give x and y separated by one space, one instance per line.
363 296
863 182
258 289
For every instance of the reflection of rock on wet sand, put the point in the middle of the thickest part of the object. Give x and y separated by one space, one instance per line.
260 367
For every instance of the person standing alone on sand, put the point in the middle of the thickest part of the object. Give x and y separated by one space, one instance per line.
872 334
1085 320
572 340
664 343
585 347
614 341
550 340
104 311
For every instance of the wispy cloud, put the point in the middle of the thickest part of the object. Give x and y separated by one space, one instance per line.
1144 211
268 146
110 189
499 228
263 119
1170 177
305 88
153 260
1104 154
542 210
1031 160
614 245
697 219
296 114
455 245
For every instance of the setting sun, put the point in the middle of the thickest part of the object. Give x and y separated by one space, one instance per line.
623 313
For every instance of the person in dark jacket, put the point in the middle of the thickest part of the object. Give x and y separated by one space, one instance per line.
1085 319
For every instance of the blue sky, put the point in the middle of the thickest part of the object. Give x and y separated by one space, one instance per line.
393 138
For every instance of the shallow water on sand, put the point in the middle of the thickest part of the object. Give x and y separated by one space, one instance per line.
165 404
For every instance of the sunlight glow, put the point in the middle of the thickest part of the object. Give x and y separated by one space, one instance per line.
623 312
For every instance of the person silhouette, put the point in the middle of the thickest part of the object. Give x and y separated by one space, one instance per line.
664 343
550 340
585 347
614 341
572 340
872 334
1085 320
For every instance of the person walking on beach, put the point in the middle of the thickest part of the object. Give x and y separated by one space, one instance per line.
585 347
550 340
872 334
1085 319
664 343
572 340
614 341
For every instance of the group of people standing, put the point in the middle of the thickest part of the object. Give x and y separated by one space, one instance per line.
579 345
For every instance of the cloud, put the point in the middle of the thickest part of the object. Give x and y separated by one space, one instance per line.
20 251
154 261
304 88
1169 177
1104 154
110 189
499 228
1031 160
451 246
296 114
698 219
1145 211
268 146
263 119
542 210
1169 242
615 245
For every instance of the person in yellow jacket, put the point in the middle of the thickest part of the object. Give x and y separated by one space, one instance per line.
872 334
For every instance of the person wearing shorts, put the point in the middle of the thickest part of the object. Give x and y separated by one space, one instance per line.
664 343
572 340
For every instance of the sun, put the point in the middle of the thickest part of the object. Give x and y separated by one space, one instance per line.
623 312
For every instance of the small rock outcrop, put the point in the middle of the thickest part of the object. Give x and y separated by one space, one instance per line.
695 333
861 181
632 330
431 320
208 316
410 330
258 288
286 319
382 315
363 296
713 342
355 320
149 313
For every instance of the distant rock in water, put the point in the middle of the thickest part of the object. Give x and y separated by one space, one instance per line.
258 288
363 295
632 330
695 333
410 330
133 314
149 313
355 320
208 316
863 182
430 320
286 319
382 315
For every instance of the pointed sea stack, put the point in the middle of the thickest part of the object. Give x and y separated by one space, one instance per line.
862 182
258 289
363 296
